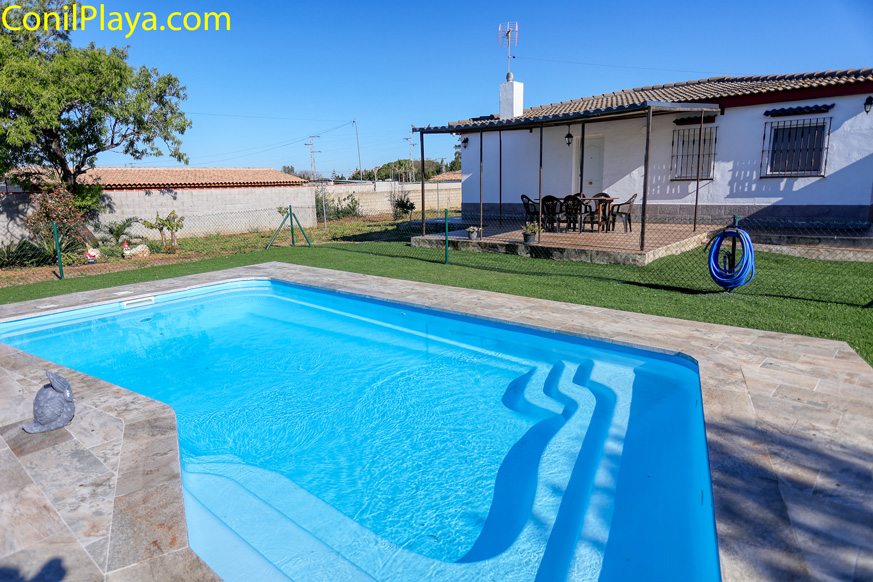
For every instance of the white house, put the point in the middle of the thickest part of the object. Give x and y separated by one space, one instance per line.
785 146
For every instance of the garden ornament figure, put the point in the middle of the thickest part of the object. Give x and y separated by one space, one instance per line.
53 406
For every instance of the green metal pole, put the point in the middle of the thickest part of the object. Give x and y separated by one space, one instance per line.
290 214
447 235
269 244
294 217
58 249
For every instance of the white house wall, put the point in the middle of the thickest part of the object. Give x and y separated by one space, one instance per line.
845 193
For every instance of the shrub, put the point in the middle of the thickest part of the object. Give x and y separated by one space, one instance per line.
54 205
172 223
336 209
401 205
116 231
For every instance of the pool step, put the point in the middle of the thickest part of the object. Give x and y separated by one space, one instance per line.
293 550
227 554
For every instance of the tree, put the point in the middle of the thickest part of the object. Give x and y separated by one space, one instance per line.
61 106
455 164
289 169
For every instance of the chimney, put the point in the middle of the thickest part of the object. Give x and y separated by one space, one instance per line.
511 98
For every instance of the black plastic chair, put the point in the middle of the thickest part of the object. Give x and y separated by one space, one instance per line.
624 211
551 208
531 211
572 208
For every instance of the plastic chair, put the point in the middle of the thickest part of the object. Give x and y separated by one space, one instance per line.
624 210
572 207
551 208
531 211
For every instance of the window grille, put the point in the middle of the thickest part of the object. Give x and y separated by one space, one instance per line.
795 148
685 152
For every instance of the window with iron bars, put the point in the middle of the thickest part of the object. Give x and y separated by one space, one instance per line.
686 148
795 148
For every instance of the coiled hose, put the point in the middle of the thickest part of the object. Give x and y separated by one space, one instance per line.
743 270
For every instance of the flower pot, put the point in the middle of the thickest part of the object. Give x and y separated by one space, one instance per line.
529 238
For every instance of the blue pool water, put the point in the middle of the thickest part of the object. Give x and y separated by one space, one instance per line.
329 437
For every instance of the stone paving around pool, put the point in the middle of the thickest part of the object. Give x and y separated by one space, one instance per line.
789 425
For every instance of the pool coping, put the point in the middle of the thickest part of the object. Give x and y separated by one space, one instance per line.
788 422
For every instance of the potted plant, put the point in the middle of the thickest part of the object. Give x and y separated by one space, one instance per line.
473 232
529 232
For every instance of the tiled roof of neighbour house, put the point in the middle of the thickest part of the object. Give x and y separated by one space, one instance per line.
453 176
135 178
124 178
711 90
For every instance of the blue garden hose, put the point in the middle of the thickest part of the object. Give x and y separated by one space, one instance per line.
743 271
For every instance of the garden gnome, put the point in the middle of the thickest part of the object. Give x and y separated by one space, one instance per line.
53 406
126 250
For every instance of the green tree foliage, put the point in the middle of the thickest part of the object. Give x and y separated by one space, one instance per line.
455 164
289 170
400 171
60 106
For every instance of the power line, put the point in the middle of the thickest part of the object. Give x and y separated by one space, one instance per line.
616 66
257 116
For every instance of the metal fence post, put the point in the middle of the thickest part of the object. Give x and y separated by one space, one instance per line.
291 218
447 235
58 249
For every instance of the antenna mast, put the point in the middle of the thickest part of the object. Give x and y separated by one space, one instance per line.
508 37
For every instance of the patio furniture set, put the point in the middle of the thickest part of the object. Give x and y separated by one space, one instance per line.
575 211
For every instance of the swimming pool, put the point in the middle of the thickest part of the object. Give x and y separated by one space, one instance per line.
352 436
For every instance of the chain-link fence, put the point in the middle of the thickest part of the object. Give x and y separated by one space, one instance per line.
804 260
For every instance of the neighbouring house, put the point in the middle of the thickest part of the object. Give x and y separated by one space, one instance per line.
796 147
213 200
452 176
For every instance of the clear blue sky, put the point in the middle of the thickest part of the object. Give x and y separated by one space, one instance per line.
306 68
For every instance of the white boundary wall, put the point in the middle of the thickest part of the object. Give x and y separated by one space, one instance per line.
210 211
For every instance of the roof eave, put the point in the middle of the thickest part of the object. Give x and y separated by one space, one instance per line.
605 114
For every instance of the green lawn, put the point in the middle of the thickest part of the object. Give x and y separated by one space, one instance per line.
574 283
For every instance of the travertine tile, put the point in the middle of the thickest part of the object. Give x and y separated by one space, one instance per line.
147 463
750 563
55 558
109 453
92 427
147 524
23 443
61 466
87 507
26 517
179 566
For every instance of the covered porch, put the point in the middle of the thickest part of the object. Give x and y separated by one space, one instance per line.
499 216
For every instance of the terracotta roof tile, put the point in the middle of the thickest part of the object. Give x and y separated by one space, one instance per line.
453 176
702 90
189 177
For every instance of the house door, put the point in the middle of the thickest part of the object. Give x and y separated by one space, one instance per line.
592 166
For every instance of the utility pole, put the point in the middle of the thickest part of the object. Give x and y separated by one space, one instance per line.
313 175
360 165
412 145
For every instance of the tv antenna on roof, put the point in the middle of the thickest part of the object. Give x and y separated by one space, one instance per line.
509 38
